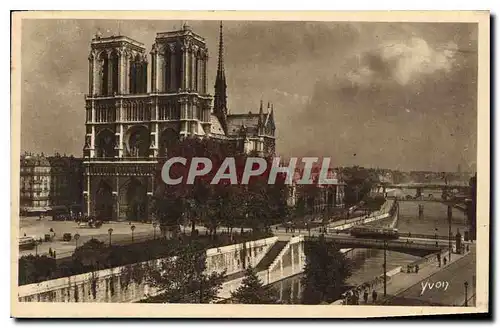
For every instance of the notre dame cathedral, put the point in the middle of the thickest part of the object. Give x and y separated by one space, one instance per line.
130 127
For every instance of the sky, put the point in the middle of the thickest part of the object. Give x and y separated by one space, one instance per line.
389 95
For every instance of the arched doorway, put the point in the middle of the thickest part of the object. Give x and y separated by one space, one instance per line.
138 142
103 201
135 196
168 138
105 144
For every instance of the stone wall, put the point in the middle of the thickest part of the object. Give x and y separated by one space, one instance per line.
235 258
290 262
112 285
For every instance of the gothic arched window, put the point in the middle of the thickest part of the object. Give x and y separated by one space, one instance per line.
114 72
103 73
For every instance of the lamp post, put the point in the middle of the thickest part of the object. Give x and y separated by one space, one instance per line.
132 228
110 232
154 229
449 231
36 247
466 284
76 236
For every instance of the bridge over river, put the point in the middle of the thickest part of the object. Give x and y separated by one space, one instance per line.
413 247
368 262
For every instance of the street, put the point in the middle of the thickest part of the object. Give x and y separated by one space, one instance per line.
121 234
445 287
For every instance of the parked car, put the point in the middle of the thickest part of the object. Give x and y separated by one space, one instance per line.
27 243
67 236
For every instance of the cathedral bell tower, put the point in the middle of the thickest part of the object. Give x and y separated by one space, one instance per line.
180 102
118 153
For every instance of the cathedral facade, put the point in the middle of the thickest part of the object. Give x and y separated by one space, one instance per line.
130 126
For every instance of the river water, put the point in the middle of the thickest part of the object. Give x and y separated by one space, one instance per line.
368 263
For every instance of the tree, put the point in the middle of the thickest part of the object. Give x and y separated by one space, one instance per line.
325 272
309 193
90 253
34 269
221 204
359 182
182 279
253 291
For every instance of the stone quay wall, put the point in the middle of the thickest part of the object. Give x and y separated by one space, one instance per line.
113 285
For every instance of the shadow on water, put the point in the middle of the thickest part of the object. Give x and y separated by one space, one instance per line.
366 264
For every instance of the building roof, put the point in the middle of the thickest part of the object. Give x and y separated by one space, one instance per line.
236 121
49 161
100 40
34 160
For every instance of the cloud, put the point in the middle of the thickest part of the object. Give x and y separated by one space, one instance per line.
402 62
294 96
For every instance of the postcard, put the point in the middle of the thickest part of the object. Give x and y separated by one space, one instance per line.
250 164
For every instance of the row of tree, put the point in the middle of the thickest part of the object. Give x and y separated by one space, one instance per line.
255 205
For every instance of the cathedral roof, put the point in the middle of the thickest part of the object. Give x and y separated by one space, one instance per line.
235 121
216 127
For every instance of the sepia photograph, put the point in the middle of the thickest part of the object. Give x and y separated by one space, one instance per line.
176 164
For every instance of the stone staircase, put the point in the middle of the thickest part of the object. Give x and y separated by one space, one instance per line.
271 255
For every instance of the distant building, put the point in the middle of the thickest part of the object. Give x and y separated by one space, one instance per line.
327 197
50 184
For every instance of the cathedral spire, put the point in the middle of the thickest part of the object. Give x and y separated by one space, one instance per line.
261 115
220 97
220 63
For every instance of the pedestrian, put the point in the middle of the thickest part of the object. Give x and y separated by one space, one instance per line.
365 296
416 268
374 296
350 298
50 251
25 234
444 260
355 297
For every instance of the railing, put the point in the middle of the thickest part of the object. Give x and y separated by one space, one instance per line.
280 255
423 236
120 159
391 244
99 96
